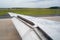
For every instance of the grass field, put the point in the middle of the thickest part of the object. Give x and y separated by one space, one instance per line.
32 11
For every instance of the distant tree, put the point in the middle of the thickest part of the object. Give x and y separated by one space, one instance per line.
55 7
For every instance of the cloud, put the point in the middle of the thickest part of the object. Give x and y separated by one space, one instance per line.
45 4
29 3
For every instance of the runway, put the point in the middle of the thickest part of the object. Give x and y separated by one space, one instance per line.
8 30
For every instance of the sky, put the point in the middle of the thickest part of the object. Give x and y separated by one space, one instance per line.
29 3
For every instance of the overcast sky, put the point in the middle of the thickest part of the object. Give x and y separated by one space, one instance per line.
29 3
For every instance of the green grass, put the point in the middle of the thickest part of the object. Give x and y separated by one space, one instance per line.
31 11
